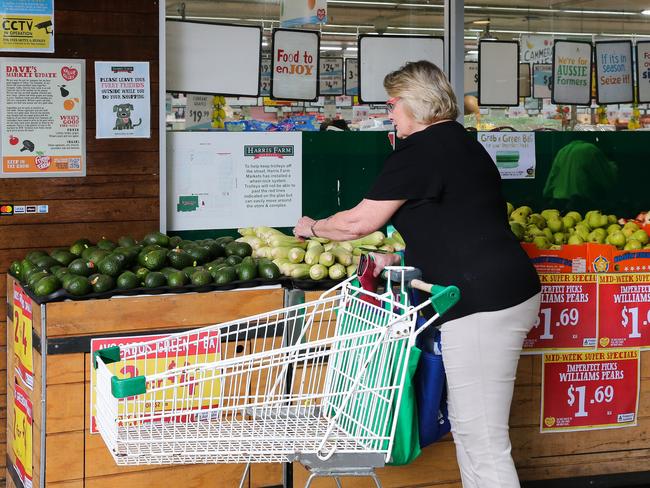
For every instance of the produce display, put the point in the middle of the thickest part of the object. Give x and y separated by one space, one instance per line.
549 229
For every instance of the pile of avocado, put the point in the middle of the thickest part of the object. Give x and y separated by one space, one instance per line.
156 261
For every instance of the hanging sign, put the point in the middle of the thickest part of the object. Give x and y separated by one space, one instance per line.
331 76
498 72
524 80
571 73
352 77
542 80
614 79
643 71
568 313
590 390
122 99
198 112
295 65
295 13
624 312
21 441
27 26
512 152
22 333
536 49
471 78
42 102
265 77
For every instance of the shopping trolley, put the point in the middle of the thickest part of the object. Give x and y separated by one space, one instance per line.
321 385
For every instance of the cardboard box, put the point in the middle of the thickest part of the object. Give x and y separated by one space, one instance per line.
631 261
580 258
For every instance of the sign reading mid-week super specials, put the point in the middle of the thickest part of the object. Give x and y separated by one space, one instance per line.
624 312
295 65
42 102
614 79
590 390
571 73
567 315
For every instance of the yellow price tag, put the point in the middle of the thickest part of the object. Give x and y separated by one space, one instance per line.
22 326
22 435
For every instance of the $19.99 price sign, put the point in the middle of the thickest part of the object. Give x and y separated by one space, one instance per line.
568 313
624 312
590 390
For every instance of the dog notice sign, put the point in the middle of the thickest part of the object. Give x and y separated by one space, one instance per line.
122 98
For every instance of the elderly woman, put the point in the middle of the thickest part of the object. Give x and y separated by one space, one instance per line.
442 192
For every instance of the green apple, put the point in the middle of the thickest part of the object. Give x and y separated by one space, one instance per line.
537 219
575 239
509 208
518 230
541 242
633 245
574 215
555 224
559 238
550 212
613 228
641 236
616 239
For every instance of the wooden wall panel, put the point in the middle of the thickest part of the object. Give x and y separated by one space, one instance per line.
120 194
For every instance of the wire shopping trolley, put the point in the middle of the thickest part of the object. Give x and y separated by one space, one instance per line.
322 384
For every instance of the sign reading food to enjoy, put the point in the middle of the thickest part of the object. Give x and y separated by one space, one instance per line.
614 79
571 73
590 390
295 63
42 102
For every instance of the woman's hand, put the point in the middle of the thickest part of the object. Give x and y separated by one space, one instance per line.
382 260
303 227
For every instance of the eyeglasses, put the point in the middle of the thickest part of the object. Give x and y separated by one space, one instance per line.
390 103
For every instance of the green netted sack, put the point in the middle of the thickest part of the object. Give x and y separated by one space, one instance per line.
581 172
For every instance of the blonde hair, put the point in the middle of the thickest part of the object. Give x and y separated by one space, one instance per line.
425 90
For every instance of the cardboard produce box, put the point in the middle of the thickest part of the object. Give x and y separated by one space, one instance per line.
575 258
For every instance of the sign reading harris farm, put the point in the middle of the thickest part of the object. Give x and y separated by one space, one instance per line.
590 390
571 73
614 79
295 65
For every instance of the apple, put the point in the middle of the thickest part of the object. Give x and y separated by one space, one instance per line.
13 140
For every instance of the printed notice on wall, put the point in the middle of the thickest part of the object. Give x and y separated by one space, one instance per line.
512 152
122 99
614 83
294 71
643 71
27 26
42 102
571 73
226 181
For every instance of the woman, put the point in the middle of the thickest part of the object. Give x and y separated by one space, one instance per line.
443 193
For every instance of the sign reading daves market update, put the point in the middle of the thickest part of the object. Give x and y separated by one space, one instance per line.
571 73
122 99
27 26
42 102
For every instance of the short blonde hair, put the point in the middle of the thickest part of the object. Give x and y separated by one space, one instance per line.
425 90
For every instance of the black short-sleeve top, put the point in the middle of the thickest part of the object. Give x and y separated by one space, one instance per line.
454 219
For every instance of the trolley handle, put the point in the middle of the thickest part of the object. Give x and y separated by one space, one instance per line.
442 297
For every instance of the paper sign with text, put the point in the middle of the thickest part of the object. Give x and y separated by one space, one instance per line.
542 80
27 26
568 313
173 354
571 73
624 312
590 390
21 441
351 77
471 78
331 76
512 152
198 113
614 79
643 71
536 49
295 63
265 77
295 13
22 334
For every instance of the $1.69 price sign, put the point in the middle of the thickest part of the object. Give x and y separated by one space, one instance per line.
590 390
567 315
624 313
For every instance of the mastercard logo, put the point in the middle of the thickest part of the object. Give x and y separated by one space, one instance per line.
6 209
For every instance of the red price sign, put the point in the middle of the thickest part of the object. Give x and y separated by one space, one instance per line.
624 314
590 390
22 332
567 314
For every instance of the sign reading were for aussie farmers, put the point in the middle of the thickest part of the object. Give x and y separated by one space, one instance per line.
571 73
295 63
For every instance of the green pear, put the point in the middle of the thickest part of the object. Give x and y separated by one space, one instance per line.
541 242
604 221
641 236
559 238
611 219
583 231
574 215
628 231
520 219
509 208
647 246
595 219
613 228
533 230
575 239
555 224
585 223
518 230
616 239
633 245
524 210
548 233
550 212
597 237
537 219
631 225
555 247
568 221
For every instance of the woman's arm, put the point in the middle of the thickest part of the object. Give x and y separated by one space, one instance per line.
366 217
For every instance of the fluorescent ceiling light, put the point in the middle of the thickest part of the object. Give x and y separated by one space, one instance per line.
352 49
472 51
330 48
645 12
481 22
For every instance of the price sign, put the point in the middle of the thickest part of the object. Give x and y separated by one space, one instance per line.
21 441
567 315
351 77
331 76
590 390
198 114
22 333
265 77
471 78
624 312
542 80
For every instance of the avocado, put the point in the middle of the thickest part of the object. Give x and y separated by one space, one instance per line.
155 260
268 270
241 249
79 245
167 270
179 258
154 280
177 279
247 271
88 252
96 255
59 273
156 238
130 254
216 250
199 254
25 266
82 267
174 241
126 241
35 277
102 283
63 256
141 272
128 280
189 270
66 279
225 275
78 286
106 244
14 269
33 255
110 266
47 285
184 244
201 277
233 260
46 262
